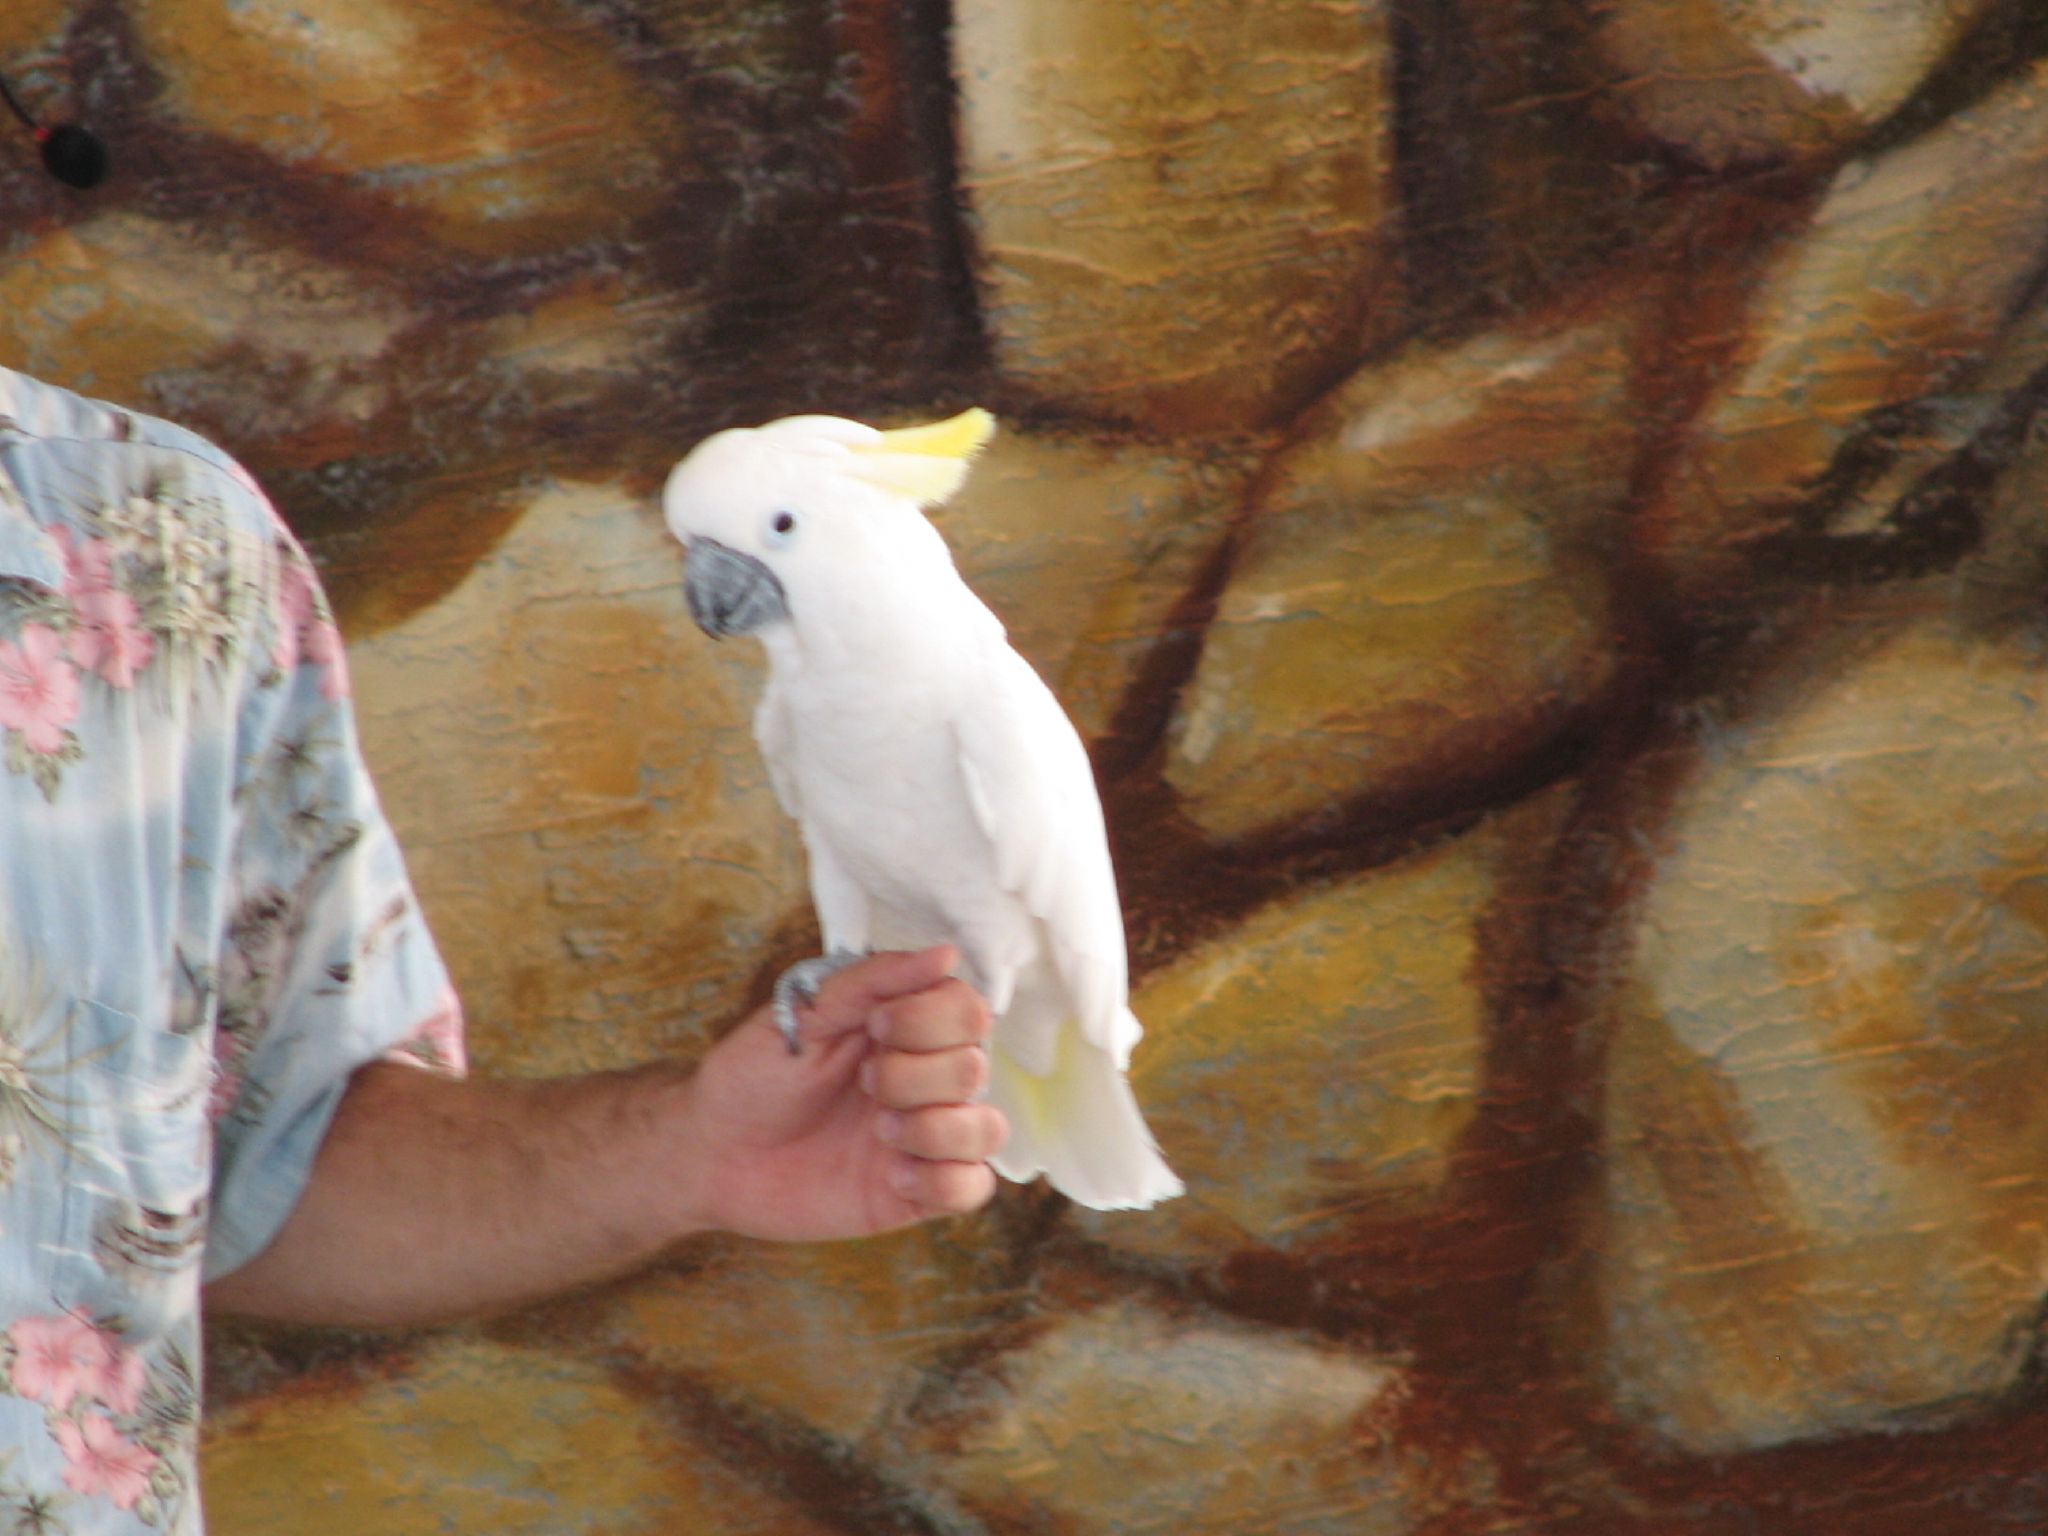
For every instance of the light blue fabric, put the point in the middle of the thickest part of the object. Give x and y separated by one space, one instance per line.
205 927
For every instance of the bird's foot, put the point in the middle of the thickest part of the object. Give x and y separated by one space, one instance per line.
799 984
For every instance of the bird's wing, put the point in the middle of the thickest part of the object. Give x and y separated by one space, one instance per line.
1033 794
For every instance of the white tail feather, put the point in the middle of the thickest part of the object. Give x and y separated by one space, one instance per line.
1079 1125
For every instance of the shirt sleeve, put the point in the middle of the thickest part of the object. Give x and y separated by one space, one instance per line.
325 960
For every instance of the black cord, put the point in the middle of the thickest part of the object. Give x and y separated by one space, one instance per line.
14 106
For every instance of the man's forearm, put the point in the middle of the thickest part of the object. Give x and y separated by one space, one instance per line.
434 1197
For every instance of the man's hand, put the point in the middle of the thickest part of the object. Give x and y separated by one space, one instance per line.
872 1127
436 1197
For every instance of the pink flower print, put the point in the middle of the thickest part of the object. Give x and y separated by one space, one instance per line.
304 630
323 645
101 1461
56 1358
59 1359
437 1040
230 1066
117 1384
38 688
107 636
88 563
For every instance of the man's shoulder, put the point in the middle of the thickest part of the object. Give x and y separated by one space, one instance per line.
37 409
113 454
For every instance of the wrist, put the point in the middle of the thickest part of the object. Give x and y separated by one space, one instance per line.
675 1180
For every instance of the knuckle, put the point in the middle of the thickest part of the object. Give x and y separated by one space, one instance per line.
970 1008
962 1187
924 1135
995 1130
947 1133
912 1021
936 1016
881 1023
906 1079
967 1133
936 1020
932 1135
892 1079
942 1187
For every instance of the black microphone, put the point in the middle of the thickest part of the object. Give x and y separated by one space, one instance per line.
74 155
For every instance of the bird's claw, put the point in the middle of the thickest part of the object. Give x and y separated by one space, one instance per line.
799 984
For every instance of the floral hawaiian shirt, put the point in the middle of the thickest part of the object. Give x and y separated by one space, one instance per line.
205 927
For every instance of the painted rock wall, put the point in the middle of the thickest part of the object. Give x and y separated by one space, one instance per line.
1538 509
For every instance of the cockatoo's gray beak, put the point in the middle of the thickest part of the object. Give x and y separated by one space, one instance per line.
730 593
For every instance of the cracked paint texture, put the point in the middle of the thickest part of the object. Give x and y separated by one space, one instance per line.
1535 507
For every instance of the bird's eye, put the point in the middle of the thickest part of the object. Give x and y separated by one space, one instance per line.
781 529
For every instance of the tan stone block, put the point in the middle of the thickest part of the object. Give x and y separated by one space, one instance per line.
33 28
2000 583
1083 545
1315 1067
502 132
576 342
1182 206
294 363
1515 186
829 1335
1420 596
811 182
1911 270
1124 1417
477 1437
150 313
1824 1209
570 766
1771 80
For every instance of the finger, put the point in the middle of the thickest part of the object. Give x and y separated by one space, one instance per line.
943 1015
960 1133
902 1080
847 997
943 1189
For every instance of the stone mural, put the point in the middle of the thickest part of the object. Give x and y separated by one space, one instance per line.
1538 509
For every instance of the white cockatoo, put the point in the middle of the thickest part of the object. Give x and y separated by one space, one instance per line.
943 795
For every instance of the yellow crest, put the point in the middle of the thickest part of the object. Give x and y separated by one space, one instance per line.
925 464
